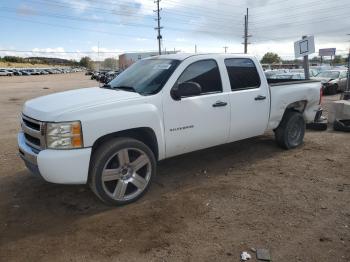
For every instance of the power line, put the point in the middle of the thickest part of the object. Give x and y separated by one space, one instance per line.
70 27
71 52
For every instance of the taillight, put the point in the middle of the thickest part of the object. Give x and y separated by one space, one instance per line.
321 94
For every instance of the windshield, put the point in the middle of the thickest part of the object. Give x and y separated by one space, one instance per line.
145 77
329 74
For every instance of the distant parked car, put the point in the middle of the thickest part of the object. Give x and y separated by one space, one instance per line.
270 73
43 72
108 77
33 72
295 76
312 72
15 72
4 72
25 73
94 75
333 81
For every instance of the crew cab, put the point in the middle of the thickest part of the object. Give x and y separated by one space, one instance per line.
112 137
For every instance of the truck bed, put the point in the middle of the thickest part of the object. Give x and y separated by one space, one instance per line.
304 92
281 82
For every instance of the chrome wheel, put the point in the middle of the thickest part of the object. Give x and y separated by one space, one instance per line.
126 174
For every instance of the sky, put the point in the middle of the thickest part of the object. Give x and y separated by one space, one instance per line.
74 28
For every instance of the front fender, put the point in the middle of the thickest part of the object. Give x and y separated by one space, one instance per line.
101 121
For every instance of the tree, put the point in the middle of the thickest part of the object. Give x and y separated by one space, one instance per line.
270 58
86 62
338 60
110 63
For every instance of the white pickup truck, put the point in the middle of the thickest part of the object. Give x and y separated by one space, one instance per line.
160 107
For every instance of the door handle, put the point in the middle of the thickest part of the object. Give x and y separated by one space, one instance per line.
260 97
219 103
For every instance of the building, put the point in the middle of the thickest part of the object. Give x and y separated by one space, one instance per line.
127 59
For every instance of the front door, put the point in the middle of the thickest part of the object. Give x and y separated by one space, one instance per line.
201 121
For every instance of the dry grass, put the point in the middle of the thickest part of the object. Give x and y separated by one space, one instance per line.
22 65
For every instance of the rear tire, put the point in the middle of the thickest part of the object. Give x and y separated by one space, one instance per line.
122 170
290 133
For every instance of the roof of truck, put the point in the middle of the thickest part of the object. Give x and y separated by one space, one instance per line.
183 56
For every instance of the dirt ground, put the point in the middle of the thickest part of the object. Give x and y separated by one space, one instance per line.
205 206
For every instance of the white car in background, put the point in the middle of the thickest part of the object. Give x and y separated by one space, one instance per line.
4 72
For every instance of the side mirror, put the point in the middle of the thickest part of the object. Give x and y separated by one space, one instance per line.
185 89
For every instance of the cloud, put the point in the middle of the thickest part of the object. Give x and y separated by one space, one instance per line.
79 6
180 39
25 10
140 39
211 24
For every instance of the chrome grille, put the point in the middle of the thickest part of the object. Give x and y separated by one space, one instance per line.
33 132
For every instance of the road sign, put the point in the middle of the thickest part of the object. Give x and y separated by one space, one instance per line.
326 52
304 47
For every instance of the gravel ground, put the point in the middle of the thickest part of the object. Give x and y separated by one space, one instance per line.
204 206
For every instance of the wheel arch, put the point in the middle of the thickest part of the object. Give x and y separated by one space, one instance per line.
298 106
144 134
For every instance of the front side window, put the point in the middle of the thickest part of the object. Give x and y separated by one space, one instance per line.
145 77
206 73
242 73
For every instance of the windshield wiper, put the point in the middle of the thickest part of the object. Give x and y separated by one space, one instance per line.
126 88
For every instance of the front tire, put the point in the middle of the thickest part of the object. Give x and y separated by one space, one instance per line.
290 133
121 171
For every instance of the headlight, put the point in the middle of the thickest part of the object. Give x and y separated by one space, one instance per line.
66 135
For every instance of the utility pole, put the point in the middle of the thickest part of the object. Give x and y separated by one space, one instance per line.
306 64
246 35
158 28
195 49
346 94
225 47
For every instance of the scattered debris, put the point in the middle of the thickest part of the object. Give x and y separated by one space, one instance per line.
319 126
263 254
342 125
253 249
14 99
325 239
245 256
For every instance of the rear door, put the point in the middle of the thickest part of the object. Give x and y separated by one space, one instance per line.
249 99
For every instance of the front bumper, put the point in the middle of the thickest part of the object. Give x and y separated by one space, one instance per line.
56 166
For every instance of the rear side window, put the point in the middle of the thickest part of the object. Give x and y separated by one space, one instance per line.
205 73
242 73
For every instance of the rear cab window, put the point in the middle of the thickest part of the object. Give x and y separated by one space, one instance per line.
242 73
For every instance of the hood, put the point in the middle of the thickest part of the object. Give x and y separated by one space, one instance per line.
48 108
